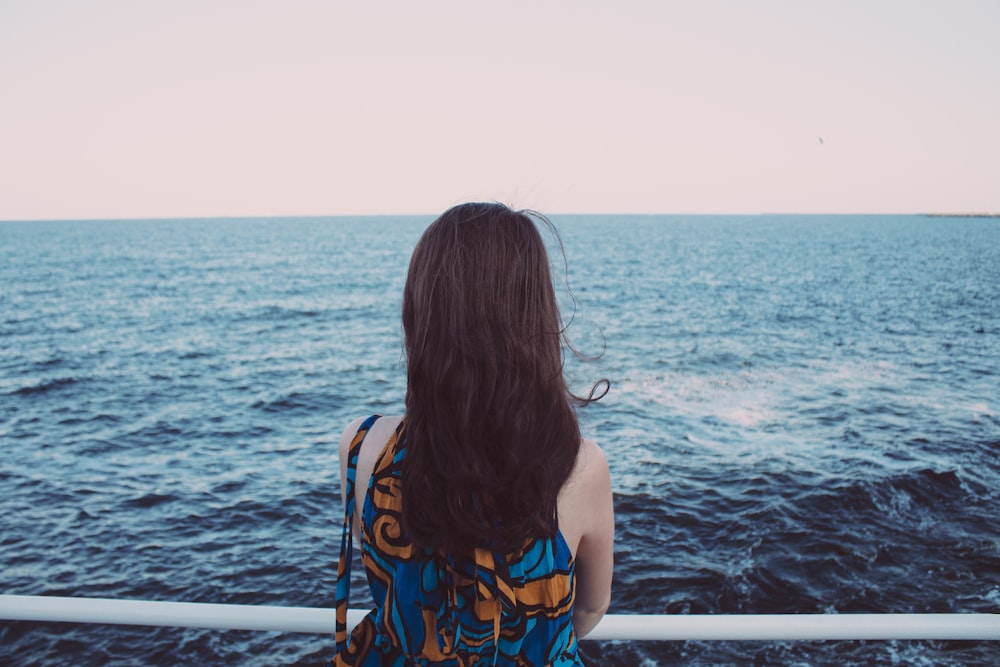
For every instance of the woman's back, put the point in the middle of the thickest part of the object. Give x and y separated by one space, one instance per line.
486 608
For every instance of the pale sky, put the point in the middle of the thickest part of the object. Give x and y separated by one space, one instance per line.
180 108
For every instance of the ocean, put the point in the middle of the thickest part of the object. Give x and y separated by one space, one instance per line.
804 417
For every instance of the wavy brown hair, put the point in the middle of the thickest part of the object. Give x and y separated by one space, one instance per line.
491 430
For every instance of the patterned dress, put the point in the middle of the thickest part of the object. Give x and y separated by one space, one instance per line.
492 609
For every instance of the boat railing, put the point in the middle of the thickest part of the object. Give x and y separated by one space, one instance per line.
662 627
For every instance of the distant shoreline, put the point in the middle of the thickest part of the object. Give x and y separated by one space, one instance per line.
962 215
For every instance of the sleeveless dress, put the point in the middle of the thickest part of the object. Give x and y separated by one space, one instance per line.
512 609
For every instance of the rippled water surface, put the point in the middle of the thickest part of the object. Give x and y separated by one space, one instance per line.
803 418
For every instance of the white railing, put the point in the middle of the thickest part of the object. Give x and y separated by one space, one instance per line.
768 627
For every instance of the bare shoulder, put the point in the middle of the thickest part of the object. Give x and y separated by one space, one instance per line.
585 498
591 459
591 471
590 517
382 426
375 441
347 436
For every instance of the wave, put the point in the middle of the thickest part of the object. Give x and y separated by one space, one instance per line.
298 402
150 500
277 313
45 386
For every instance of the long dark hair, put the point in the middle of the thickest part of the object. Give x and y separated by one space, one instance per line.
491 431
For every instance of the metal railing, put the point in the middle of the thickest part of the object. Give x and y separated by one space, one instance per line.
723 627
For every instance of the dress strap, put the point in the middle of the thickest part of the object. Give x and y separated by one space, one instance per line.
343 589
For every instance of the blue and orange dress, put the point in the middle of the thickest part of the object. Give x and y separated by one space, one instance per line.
513 609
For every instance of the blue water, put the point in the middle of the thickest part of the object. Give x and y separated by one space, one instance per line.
803 418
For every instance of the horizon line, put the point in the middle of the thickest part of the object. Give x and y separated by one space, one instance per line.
155 218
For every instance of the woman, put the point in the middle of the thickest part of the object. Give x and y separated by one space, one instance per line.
485 520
